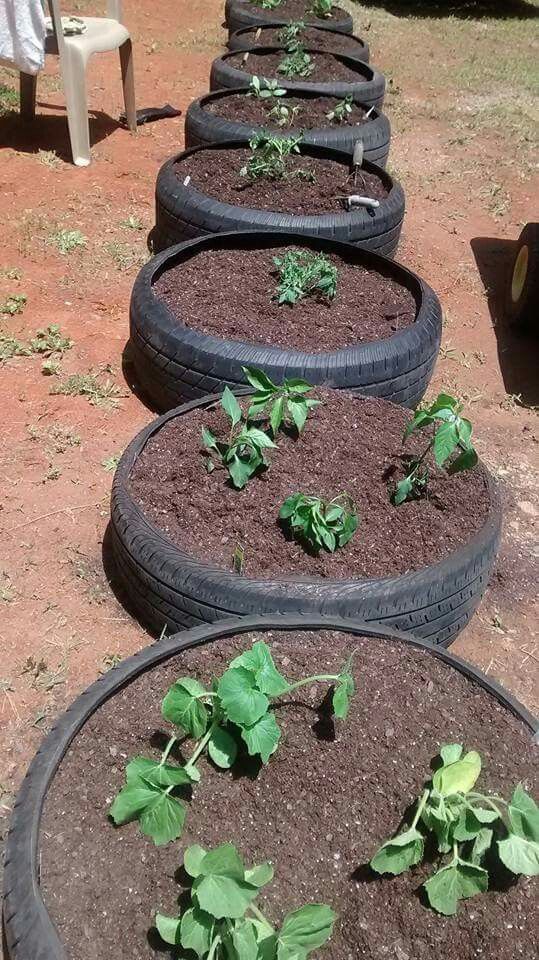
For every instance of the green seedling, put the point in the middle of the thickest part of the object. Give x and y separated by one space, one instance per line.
264 89
11 347
50 340
341 111
452 434
13 304
288 35
223 922
282 115
288 402
235 713
244 452
67 240
471 826
320 524
296 63
303 273
99 394
321 9
268 157
267 4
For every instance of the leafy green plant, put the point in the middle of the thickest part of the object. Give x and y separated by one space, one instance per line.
320 524
296 63
283 115
289 34
243 453
341 111
12 347
470 825
302 272
452 435
223 922
267 4
264 89
288 402
13 304
321 8
268 157
67 240
235 712
50 340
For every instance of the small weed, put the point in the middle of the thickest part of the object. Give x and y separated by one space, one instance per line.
123 255
289 34
50 340
267 4
110 463
10 273
321 8
66 241
7 594
302 273
132 223
282 115
264 89
51 367
88 385
9 99
109 661
53 473
11 347
297 63
49 158
13 304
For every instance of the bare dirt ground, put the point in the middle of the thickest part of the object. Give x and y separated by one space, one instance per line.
461 101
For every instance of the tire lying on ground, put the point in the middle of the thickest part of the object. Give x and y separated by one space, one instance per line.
369 88
249 37
175 362
169 587
243 13
183 212
202 127
522 298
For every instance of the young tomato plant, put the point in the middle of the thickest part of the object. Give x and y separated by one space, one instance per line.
341 111
469 825
244 452
223 922
264 89
321 9
320 524
302 272
268 157
289 34
287 402
236 712
282 115
296 63
452 434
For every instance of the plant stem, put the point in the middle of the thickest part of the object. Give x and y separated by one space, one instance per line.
200 747
260 916
213 947
167 750
303 683
419 811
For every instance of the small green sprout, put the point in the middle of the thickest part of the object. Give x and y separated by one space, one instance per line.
469 826
13 304
268 157
320 524
341 111
453 434
296 63
264 89
289 34
67 240
287 401
267 4
282 115
244 452
303 273
235 713
50 340
321 9
223 921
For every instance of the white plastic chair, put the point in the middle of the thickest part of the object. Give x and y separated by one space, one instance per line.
101 34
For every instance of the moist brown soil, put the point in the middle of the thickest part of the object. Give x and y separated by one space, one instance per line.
318 810
312 37
312 111
327 67
298 10
349 445
216 172
367 306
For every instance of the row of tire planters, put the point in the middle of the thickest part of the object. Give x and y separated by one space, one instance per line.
334 74
238 115
191 335
244 13
204 190
190 547
320 38
71 875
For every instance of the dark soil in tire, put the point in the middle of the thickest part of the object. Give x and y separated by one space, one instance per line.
367 306
327 68
349 445
312 185
298 10
311 112
318 810
327 40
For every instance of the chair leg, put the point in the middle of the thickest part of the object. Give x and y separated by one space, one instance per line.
28 84
128 83
74 80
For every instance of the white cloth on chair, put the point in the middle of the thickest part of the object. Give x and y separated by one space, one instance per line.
22 34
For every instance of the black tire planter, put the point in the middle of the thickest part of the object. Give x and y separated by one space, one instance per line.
369 88
175 363
242 13
182 212
30 932
167 587
203 127
244 39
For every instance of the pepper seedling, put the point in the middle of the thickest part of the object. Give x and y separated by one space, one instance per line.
341 111
470 826
296 63
287 401
320 524
264 89
245 450
223 921
302 272
452 434
236 711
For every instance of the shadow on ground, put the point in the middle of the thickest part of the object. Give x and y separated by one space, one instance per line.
518 353
50 132
463 9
